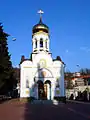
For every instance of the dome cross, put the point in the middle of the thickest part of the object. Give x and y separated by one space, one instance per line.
40 12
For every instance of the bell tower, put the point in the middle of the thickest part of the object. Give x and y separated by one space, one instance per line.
40 36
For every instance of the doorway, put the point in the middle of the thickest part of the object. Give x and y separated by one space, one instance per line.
44 90
40 90
47 89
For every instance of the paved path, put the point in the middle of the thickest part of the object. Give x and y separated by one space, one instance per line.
26 111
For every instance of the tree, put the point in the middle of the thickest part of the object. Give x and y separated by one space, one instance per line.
69 84
6 70
68 77
85 71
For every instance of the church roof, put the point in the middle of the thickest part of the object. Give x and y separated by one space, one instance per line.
40 26
24 60
59 59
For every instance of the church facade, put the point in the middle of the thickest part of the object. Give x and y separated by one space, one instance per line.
41 76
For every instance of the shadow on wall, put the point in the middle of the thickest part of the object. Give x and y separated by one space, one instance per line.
37 90
41 86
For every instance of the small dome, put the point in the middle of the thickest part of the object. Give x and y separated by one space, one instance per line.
40 27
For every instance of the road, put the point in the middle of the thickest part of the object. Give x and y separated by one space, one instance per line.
27 111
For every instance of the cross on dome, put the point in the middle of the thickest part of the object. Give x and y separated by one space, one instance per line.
40 26
40 12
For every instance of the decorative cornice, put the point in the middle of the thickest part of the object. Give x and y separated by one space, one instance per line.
40 33
59 59
25 60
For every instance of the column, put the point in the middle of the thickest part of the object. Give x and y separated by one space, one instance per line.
48 92
33 45
48 45
38 45
44 47
52 89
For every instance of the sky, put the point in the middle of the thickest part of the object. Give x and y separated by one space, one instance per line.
68 21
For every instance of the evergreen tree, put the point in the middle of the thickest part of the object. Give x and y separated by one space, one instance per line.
6 70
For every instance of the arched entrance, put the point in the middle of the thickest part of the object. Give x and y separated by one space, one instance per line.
44 90
40 89
43 78
47 89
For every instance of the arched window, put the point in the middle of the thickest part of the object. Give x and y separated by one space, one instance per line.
41 42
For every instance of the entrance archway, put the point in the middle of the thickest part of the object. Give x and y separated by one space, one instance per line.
43 78
40 89
44 90
47 89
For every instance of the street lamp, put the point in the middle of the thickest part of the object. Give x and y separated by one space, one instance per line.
13 39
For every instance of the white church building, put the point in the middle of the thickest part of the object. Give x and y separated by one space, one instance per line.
41 76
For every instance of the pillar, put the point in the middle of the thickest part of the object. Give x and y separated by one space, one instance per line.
44 47
38 45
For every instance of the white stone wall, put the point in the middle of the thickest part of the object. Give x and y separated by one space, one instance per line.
58 71
54 70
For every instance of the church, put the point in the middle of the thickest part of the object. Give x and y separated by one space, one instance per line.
41 76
